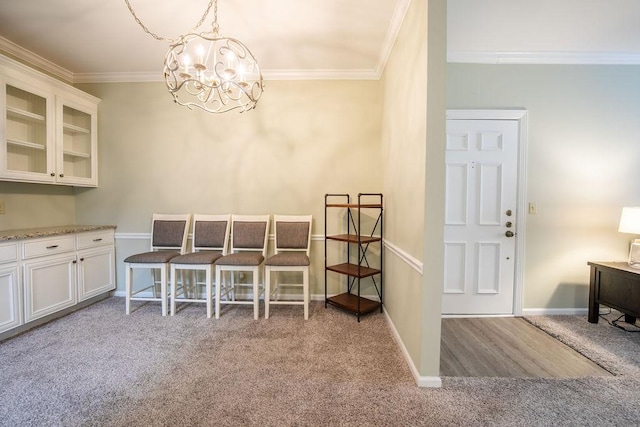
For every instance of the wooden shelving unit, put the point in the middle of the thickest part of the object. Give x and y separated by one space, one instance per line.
357 267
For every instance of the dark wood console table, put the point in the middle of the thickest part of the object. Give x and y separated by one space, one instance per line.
615 285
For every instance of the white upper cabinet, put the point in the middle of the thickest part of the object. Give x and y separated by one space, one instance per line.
77 161
27 132
48 130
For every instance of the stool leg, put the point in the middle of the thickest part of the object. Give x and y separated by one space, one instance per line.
208 279
128 278
218 278
267 290
305 291
256 295
163 288
173 294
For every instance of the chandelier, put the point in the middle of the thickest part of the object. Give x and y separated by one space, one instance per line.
209 71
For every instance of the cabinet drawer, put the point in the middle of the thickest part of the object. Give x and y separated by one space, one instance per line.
51 246
91 240
8 253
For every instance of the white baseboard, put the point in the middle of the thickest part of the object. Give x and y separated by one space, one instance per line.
554 311
421 381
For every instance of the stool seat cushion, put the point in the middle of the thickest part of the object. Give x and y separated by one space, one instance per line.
202 257
289 259
154 257
241 258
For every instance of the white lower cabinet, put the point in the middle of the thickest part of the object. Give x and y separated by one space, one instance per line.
10 312
42 276
10 297
96 269
49 285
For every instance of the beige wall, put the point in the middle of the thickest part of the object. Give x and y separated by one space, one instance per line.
434 189
403 152
36 205
413 148
305 139
582 164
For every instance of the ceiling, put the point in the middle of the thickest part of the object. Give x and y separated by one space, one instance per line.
99 40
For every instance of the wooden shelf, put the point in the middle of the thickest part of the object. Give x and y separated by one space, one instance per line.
73 129
77 154
349 302
26 144
353 270
355 205
17 113
353 238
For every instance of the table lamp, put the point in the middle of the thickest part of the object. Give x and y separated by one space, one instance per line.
630 223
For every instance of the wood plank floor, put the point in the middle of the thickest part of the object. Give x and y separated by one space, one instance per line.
507 347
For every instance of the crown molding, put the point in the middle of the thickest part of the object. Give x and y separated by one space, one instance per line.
266 74
544 58
392 34
34 59
130 77
320 74
156 76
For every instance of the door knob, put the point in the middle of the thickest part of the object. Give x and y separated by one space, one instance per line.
509 233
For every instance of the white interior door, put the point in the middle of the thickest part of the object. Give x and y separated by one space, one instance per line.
480 216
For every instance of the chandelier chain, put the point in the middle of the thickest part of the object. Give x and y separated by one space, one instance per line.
157 37
215 25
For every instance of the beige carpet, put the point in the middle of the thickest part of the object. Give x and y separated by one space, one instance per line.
100 367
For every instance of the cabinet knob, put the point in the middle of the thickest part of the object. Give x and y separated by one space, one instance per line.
81 259
52 174
61 175
75 262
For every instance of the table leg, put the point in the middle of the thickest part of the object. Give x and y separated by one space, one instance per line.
594 307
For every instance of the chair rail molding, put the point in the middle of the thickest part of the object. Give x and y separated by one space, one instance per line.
413 262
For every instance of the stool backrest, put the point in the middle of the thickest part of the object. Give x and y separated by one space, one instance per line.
293 233
211 232
249 233
169 232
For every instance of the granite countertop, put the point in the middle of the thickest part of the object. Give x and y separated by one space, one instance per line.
31 233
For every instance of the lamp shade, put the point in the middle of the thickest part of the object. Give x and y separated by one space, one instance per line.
630 221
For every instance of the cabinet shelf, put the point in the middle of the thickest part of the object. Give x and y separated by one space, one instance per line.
357 265
18 113
73 129
77 154
26 144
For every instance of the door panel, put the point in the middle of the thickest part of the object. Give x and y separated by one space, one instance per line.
481 197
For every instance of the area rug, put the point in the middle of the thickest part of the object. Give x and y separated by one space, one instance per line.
616 350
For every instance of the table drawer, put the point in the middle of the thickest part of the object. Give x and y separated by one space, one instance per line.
8 253
51 246
91 240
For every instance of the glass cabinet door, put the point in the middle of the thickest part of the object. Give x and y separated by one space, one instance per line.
26 139
77 144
